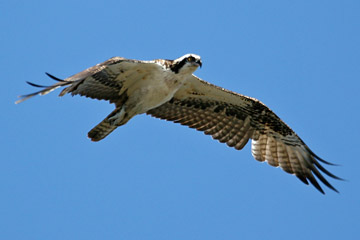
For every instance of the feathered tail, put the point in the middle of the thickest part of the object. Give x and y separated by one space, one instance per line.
101 130
115 119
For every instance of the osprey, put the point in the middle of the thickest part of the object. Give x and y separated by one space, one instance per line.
167 89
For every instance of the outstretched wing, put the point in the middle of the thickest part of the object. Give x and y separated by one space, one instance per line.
233 119
104 81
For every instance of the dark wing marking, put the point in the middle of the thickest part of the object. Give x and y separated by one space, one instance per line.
104 81
233 119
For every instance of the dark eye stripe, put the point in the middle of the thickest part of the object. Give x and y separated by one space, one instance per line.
176 67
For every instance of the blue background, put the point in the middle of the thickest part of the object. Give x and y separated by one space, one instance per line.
153 179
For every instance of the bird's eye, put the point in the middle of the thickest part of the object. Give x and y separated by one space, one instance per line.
190 59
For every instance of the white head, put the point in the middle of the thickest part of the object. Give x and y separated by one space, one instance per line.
186 64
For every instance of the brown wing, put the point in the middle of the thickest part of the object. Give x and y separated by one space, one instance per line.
233 119
104 81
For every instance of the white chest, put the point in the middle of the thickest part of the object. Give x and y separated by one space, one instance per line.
154 90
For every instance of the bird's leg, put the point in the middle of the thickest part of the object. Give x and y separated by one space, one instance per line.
117 118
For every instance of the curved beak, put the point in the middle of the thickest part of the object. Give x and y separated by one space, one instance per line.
199 63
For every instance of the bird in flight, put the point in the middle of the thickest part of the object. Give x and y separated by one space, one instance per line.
167 89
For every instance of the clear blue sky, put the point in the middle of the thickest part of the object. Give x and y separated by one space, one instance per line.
153 179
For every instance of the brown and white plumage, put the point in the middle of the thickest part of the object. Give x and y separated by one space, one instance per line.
168 90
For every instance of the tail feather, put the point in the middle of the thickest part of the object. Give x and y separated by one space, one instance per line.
104 128
101 130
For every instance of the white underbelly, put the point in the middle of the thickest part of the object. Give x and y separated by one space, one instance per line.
151 93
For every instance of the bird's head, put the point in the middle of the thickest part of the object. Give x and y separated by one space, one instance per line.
186 64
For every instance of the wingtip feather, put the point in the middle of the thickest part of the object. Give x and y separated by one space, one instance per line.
54 78
36 85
